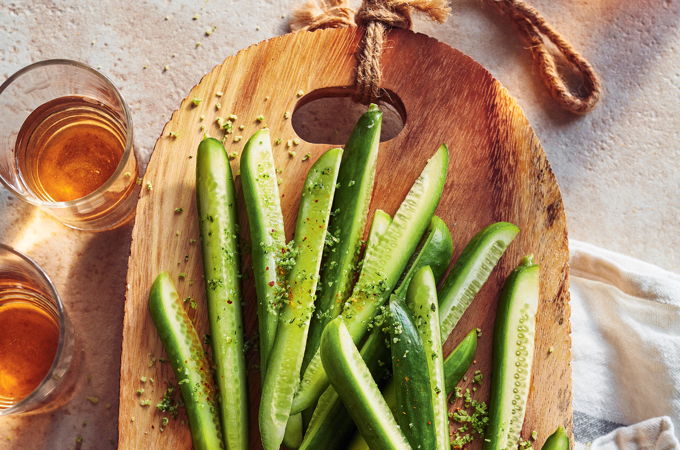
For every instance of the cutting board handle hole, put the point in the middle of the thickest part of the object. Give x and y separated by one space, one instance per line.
327 115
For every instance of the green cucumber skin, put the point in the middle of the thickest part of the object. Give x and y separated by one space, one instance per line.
383 266
292 437
331 424
422 301
356 387
513 332
414 407
480 255
455 366
559 440
285 359
350 205
188 361
218 225
267 235
459 360
435 250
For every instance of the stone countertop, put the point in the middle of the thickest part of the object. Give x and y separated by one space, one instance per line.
618 167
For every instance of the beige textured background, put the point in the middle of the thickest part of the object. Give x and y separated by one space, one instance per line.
618 167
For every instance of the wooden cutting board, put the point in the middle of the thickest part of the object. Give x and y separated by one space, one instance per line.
497 171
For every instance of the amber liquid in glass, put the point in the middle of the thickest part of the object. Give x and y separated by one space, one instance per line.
69 147
29 336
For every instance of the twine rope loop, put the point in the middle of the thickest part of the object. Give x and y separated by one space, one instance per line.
378 16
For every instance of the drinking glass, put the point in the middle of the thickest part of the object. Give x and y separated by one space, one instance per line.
29 306
86 180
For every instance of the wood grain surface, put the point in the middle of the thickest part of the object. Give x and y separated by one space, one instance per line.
497 171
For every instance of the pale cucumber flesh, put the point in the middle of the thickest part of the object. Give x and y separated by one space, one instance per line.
283 367
513 353
471 271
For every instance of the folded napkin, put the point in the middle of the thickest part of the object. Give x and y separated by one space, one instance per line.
625 349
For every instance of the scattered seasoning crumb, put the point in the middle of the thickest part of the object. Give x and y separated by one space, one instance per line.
259 118
479 332
142 379
534 435
127 174
149 187
79 440
209 31
166 18
277 141
94 400
164 423
241 127
144 67
166 68
179 210
219 94
237 138
182 276
196 101
291 153
132 419
195 17
198 44
201 129
232 156
139 392
289 143
257 28
218 106
286 115
145 402
296 141
232 117
551 349
192 241
266 98
173 134
307 156
300 93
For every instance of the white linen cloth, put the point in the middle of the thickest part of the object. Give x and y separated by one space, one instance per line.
626 351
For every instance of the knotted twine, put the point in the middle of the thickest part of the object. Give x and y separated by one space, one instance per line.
377 16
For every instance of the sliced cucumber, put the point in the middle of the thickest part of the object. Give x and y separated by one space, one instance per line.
455 366
331 424
292 437
382 267
414 406
458 362
435 250
188 361
267 235
471 271
513 352
422 301
559 440
356 387
350 208
285 359
218 223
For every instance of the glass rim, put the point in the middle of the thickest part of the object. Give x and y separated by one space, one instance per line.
62 329
129 148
